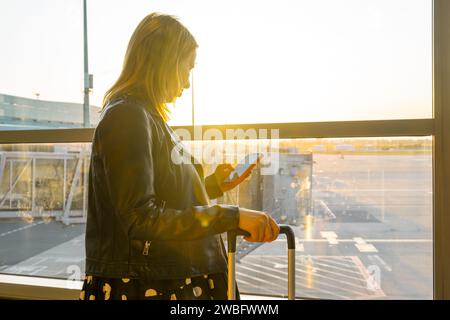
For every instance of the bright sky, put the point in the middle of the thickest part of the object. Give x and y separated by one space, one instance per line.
258 61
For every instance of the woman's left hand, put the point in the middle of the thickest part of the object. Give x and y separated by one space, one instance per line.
222 172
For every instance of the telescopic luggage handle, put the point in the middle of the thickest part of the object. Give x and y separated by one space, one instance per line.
231 239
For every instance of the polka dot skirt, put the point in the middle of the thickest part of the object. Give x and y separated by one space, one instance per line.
206 287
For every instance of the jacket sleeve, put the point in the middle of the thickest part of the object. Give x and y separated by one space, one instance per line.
126 145
212 187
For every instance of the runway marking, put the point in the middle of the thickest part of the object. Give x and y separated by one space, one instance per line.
21 228
330 236
279 265
337 268
359 240
298 245
381 261
362 246
38 270
43 263
69 260
4 267
265 273
334 259
366 247
259 279
304 271
327 209
240 281
338 263
337 273
25 269
374 190
358 287
341 285
320 263
319 289
401 240
378 292
39 261
297 276
367 240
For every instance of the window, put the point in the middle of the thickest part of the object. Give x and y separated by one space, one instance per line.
289 61
42 79
43 209
362 175
361 210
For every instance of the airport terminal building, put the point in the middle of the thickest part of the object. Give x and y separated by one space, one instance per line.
19 113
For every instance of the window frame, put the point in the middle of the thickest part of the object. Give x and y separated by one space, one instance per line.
25 287
441 148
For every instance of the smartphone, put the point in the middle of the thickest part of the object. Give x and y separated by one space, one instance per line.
244 167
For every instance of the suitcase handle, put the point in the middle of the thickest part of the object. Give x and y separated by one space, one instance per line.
231 239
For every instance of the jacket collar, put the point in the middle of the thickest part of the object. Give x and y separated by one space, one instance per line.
141 102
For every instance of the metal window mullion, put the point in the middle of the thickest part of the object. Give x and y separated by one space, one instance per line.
47 136
441 148
33 185
337 129
303 130
11 162
64 184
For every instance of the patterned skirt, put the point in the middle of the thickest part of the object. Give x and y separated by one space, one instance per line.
206 287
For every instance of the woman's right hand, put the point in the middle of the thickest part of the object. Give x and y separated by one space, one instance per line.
261 226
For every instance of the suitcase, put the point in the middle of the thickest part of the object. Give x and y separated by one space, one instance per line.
231 239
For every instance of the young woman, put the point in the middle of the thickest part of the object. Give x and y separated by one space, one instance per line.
151 232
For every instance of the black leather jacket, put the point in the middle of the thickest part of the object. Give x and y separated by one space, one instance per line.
148 216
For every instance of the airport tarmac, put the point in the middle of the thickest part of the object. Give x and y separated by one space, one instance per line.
371 236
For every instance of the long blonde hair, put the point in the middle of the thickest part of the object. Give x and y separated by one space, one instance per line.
155 52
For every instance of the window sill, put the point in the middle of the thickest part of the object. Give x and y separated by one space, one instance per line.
36 288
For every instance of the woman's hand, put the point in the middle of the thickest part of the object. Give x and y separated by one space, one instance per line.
261 226
222 172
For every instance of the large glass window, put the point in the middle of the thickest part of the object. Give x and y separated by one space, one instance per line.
361 210
43 209
362 214
286 61
289 61
42 65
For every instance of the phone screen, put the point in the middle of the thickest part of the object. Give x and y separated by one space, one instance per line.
240 169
